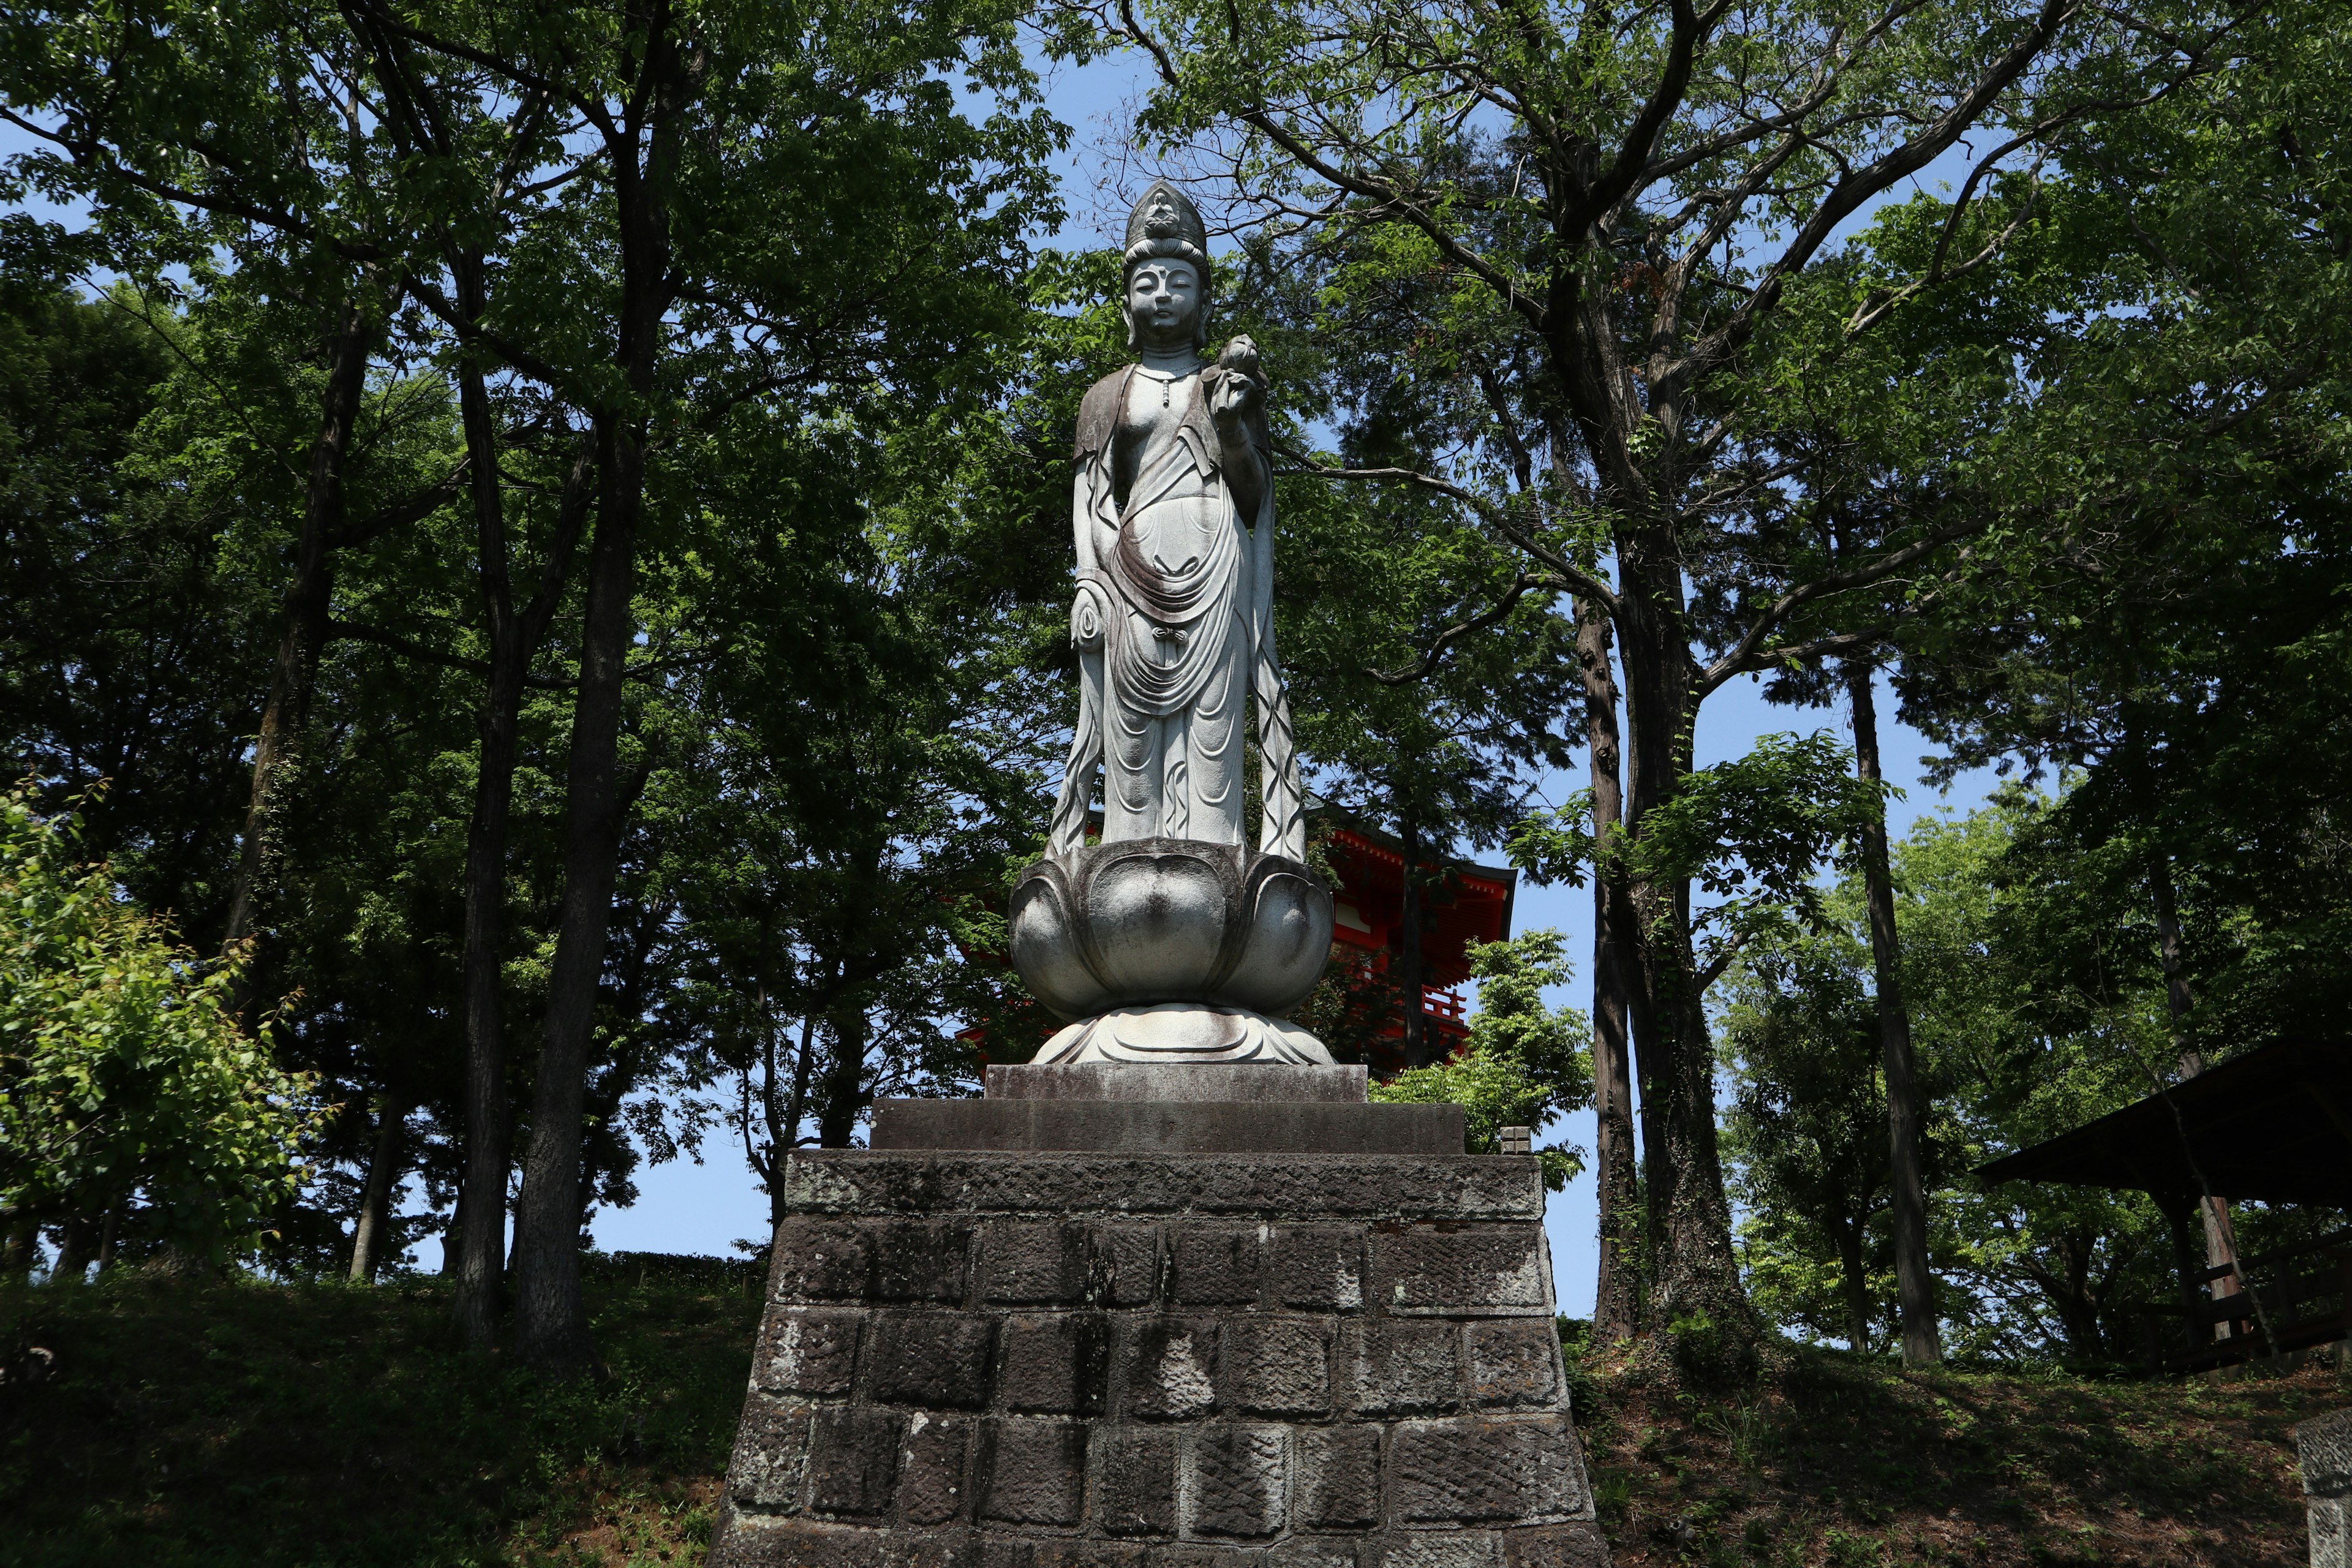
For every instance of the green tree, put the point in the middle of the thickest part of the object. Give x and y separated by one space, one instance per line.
1525 1062
1613 207
1809 1163
127 1088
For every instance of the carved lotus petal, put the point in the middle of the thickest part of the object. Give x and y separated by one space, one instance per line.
1170 919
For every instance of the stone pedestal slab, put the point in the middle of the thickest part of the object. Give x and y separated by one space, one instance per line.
1194 1127
1031 1360
1176 1082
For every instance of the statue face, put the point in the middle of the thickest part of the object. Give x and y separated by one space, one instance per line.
1163 302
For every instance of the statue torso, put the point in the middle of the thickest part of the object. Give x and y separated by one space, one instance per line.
1163 483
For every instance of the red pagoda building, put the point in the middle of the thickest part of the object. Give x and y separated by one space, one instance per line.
1462 903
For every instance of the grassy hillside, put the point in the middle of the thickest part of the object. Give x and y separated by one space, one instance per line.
1848 1463
266 1427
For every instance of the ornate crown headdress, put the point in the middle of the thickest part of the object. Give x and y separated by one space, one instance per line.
1164 223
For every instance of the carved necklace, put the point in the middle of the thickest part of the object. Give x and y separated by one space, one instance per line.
1166 378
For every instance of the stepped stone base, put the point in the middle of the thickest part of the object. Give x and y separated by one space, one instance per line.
1040 1360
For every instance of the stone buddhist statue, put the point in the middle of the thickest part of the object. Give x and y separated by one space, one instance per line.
1165 941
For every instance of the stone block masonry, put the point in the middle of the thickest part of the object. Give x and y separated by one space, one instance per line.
2324 1445
1024 1360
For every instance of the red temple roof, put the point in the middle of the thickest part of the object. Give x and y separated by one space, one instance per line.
1462 903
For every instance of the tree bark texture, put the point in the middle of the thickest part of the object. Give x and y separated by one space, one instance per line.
294 678
1854 1279
1617 1301
76 1238
375 1201
1915 1286
110 1233
841 1096
17 1249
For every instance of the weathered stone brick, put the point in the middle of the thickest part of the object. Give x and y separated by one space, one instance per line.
1236 1482
755 1541
1175 1557
1264 1439
1453 1187
1170 1366
1215 1266
1318 1268
2326 1518
808 1350
1134 1481
937 1360
1034 1472
1054 1363
1491 1271
1277 1366
1439 1549
1496 1470
921 1260
1123 1264
931 1488
1338 1477
1034 1263
852 1461
2324 1448
1515 1364
820 1260
1052 1554
988 1549
771 1456
1401 1368
1555 1546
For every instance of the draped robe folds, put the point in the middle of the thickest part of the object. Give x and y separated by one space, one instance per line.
1173 626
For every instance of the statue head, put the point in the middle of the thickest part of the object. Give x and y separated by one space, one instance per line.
1166 275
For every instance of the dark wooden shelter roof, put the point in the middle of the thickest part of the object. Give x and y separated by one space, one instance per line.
2273 1124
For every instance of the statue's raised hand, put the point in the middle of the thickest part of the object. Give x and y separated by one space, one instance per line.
1237 390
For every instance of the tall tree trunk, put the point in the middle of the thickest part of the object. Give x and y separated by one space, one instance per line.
641 150
843 1094
1854 1282
1915 1286
1417 1051
514 636
1695 1288
550 1327
480 1233
375 1202
2184 1265
75 1239
481 1237
1616 1305
17 1237
310 598
110 1233
453 1239
2220 1234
